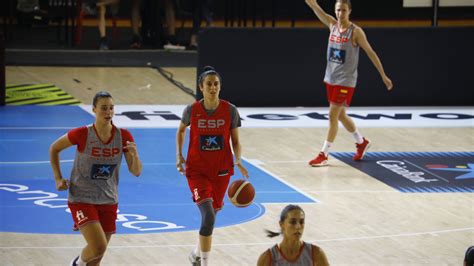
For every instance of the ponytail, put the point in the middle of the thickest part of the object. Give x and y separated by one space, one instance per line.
283 215
271 234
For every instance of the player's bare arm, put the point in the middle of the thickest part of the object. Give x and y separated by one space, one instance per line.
54 150
133 161
237 151
264 259
324 17
181 133
361 39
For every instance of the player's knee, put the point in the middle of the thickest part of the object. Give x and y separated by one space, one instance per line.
343 119
98 250
207 225
334 117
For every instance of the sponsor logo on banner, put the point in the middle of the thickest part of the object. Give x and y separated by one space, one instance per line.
418 171
169 116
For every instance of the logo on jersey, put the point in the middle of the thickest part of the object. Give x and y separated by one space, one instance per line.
337 56
210 123
104 152
80 216
211 142
196 194
338 39
102 171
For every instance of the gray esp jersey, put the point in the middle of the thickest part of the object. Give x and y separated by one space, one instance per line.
305 258
95 174
342 58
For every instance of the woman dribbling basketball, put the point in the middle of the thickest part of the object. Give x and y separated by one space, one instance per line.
209 164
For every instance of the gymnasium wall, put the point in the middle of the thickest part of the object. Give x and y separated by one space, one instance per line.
286 10
285 67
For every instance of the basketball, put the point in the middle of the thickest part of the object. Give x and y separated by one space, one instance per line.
241 193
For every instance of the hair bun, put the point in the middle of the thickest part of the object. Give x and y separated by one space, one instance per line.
208 68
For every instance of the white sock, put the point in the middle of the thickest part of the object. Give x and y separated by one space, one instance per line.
326 147
197 249
205 258
80 262
357 136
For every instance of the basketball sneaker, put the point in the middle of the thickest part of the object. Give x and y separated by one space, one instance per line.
320 160
136 42
195 260
74 261
361 149
172 47
103 44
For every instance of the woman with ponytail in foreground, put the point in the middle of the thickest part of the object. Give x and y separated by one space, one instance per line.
292 250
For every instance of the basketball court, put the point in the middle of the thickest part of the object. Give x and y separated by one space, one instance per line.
410 202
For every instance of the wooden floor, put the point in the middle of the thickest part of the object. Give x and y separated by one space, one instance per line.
360 221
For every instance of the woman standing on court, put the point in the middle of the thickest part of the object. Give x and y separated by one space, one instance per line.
209 164
345 38
93 196
292 250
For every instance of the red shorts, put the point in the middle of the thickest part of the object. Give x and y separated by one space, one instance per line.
84 213
339 94
205 188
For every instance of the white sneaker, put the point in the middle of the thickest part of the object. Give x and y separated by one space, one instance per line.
170 46
195 260
73 261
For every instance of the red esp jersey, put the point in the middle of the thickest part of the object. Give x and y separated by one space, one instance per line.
209 149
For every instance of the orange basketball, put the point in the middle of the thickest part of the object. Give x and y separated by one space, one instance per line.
241 193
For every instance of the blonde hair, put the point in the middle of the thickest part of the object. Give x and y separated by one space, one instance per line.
347 2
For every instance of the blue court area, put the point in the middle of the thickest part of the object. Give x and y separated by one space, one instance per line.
157 201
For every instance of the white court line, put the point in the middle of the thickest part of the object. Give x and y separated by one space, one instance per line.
70 161
328 191
428 233
353 191
422 169
270 162
281 180
34 128
277 192
158 163
294 203
17 140
431 233
260 212
36 162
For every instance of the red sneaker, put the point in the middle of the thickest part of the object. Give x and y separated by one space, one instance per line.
361 149
320 160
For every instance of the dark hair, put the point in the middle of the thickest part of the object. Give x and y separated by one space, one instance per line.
100 94
208 70
469 257
283 215
347 2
